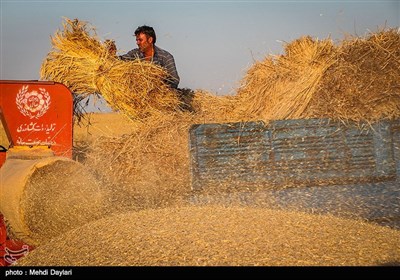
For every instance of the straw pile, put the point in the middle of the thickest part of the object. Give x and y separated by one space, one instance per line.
364 81
147 168
281 88
215 236
357 80
80 61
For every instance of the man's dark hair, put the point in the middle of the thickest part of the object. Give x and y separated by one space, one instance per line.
147 30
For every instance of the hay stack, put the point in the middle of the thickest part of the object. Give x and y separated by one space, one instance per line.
364 81
281 87
80 61
210 108
215 236
357 80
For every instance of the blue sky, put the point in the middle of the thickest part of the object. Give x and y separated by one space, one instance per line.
214 42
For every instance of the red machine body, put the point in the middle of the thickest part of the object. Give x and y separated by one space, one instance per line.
33 113
36 113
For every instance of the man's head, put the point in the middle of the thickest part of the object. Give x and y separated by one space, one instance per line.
145 37
148 31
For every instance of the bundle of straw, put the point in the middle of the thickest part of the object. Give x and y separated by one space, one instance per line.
212 108
282 87
364 81
357 80
84 64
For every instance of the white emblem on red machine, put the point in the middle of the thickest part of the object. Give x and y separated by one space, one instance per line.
33 104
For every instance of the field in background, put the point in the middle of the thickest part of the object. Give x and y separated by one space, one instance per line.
102 124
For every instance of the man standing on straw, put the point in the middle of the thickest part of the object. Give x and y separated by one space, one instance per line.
147 50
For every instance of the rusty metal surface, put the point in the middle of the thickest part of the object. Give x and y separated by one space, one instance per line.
374 197
313 152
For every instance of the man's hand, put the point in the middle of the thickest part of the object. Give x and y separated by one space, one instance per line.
111 47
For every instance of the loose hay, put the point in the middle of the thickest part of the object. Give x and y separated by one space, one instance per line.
281 88
357 80
215 236
147 168
364 81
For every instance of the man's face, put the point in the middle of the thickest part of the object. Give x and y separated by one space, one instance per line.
143 42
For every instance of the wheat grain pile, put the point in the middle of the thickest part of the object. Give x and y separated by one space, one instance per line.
59 197
215 236
146 172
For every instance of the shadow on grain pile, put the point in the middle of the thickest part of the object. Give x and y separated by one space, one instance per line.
217 235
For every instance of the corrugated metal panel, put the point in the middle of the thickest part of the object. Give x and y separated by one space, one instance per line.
292 152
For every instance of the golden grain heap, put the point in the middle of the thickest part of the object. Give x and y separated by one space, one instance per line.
220 236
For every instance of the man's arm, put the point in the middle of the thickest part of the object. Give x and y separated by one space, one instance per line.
168 62
171 69
131 55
